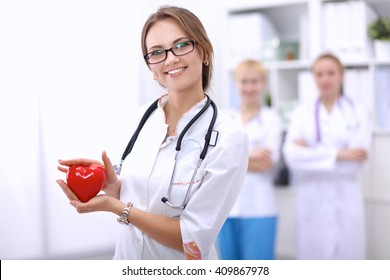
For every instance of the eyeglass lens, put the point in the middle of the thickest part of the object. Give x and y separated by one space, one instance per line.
179 49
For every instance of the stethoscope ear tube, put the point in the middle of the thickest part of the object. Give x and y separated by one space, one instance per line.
131 143
141 124
194 119
209 131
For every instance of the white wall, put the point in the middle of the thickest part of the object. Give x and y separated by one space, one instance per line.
69 88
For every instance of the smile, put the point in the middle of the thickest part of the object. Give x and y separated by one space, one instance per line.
175 71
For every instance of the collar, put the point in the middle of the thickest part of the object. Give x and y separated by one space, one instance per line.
186 117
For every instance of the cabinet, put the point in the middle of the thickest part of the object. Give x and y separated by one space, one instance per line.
316 29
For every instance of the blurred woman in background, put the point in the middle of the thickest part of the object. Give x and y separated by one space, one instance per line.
326 145
250 230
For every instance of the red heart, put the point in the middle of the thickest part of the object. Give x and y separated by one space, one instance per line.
85 182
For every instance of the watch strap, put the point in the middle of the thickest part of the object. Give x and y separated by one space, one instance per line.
124 217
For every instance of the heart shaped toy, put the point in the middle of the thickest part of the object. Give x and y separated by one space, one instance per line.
85 182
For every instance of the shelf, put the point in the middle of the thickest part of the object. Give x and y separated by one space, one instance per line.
381 62
306 64
376 200
235 6
366 63
285 19
288 64
381 131
382 8
357 63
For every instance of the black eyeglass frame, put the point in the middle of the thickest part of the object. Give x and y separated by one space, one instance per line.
170 50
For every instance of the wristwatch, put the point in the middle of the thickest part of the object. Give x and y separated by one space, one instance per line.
124 217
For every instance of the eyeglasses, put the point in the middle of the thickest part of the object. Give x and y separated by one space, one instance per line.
179 49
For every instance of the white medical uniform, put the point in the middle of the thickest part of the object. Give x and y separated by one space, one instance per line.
146 176
330 214
257 197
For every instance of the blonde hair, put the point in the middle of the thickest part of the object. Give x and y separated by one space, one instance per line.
252 65
332 57
195 30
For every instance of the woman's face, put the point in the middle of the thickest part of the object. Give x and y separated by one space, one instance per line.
250 85
176 73
328 77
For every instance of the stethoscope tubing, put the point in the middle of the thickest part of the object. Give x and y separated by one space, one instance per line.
166 199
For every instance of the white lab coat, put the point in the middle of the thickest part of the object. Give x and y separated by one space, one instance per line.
257 197
330 207
147 172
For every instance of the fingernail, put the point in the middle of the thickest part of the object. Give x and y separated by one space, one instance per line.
73 203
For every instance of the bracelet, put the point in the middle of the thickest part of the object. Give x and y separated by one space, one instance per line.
124 217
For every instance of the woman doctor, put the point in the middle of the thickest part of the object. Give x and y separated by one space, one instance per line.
179 54
326 146
250 231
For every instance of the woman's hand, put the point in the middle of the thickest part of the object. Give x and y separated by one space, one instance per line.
259 160
112 183
102 202
301 142
356 154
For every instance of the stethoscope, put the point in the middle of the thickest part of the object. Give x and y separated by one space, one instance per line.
317 114
166 199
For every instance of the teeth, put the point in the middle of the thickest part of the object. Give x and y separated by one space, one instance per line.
172 72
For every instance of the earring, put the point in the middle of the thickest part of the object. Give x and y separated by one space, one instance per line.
154 77
206 63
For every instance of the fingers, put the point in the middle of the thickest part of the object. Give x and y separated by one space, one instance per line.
253 153
266 155
260 152
361 155
62 169
79 161
85 162
260 166
81 208
358 154
261 157
71 196
109 168
97 203
64 164
300 142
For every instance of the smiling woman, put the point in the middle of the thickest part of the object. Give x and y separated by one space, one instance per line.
172 205
194 29
326 146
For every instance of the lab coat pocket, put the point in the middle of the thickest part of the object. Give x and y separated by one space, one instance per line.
187 175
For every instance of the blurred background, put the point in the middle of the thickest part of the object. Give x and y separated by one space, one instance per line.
72 76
